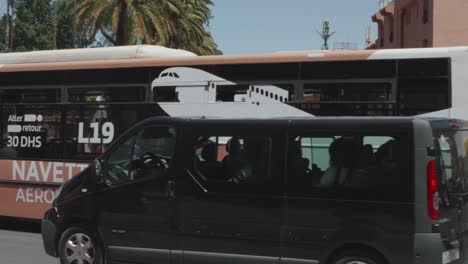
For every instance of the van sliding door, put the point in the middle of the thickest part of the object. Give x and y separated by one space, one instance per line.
229 202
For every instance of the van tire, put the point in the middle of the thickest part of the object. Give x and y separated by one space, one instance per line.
358 256
78 242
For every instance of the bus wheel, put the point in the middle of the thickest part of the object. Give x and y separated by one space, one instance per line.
358 256
79 246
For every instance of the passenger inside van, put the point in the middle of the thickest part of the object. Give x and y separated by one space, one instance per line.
337 171
299 166
246 159
349 161
232 162
363 162
206 160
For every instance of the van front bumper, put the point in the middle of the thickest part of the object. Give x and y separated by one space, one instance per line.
49 233
430 249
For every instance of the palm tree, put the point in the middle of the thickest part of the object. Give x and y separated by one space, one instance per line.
190 31
172 23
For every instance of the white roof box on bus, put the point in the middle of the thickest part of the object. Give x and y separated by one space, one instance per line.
90 54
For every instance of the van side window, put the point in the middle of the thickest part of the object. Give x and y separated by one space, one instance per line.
146 154
233 160
354 162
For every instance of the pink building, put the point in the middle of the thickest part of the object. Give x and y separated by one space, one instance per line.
421 23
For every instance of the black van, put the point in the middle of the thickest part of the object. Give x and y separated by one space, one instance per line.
295 191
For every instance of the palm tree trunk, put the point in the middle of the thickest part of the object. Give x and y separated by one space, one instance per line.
12 31
55 23
7 26
122 37
74 24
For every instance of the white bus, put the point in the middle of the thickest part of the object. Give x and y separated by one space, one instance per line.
60 109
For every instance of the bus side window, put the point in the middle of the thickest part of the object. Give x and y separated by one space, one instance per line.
31 131
21 96
83 131
106 94
231 93
165 94
89 129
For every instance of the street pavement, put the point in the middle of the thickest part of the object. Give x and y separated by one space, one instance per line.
21 243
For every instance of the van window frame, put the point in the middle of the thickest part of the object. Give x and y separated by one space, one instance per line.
275 187
343 193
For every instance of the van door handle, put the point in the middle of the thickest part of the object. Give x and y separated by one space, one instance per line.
119 231
170 189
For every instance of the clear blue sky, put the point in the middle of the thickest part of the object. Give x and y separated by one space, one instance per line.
259 26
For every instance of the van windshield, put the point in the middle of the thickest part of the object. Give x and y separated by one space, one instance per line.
453 159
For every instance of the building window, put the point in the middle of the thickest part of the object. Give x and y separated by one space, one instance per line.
425 43
408 16
390 38
425 11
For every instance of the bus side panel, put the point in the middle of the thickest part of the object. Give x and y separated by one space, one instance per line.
25 201
69 137
28 187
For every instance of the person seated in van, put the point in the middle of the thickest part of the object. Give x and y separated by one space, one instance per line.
207 161
198 152
336 172
386 156
232 162
255 159
301 175
360 171
387 164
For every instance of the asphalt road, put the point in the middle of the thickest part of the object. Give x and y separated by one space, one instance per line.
21 243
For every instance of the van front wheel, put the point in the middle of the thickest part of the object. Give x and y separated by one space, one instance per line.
79 246
358 257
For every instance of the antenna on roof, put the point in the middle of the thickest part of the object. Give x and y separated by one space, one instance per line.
368 36
325 34
8 25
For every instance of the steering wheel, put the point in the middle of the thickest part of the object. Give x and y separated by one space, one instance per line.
149 157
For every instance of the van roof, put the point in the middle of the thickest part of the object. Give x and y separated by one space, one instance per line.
357 118
436 123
